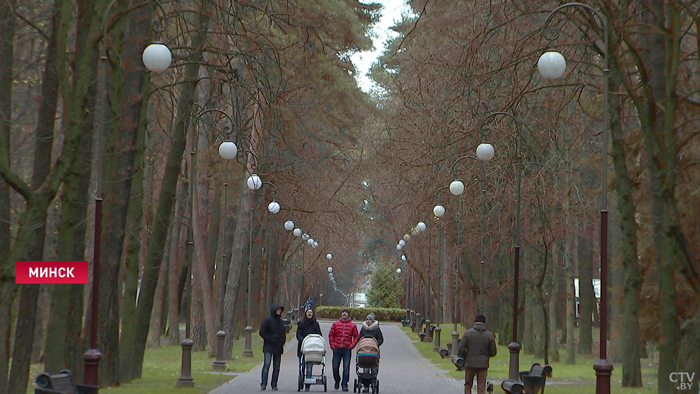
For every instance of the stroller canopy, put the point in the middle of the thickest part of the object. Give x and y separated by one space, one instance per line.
367 345
313 343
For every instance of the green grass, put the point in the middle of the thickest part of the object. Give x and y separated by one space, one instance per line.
566 379
161 369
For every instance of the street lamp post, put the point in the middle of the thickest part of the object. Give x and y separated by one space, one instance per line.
227 150
514 346
552 65
484 153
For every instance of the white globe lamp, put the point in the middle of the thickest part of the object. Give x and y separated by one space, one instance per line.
421 226
157 57
297 232
274 207
254 182
402 242
398 270
330 270
289 225
456 188
485 152
228 150
551 65
305 237
438 211
329 256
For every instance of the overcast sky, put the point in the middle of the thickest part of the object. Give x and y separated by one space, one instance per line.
363 60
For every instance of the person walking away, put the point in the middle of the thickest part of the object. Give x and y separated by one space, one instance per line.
476 347
274 336
370 328
305 326
343 338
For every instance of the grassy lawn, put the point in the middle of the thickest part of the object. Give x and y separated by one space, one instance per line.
569 379
161 369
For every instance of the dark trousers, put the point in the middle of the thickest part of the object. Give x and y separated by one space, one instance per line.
480 380
276 359
344 355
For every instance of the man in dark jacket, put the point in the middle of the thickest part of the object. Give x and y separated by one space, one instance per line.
274 336
343 338
476 347
370 328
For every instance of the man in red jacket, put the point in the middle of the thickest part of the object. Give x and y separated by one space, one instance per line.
343 338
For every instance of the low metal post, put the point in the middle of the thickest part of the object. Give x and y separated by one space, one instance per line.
219 363
248 351
455 343
186 379
436 345
427 332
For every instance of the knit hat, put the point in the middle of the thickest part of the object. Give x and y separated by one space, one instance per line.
480 318
345 310
370 316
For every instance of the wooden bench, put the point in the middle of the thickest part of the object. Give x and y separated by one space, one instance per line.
61 383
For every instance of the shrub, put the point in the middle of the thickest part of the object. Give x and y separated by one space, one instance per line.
380 314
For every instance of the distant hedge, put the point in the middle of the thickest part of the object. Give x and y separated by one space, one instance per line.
359 314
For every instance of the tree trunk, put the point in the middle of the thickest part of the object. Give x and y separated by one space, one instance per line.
585 291
161 221
239 244
8 289
202 283
553 301
133 252
176 233
625 189
569 264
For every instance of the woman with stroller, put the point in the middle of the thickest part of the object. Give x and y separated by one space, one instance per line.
305 326
370 328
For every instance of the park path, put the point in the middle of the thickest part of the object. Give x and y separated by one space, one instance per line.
402 369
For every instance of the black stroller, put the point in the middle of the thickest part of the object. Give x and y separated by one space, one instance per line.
313 350
367 366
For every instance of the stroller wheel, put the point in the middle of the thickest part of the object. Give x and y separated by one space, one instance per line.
377 386
354 387
301 383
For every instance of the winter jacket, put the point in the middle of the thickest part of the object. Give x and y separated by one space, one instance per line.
343 335
272 331
305 328
372 331
476 346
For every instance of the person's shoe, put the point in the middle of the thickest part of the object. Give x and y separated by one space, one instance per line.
263 387
345 388
307 388
336 386
274 389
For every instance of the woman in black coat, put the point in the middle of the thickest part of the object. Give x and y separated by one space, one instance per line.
305 326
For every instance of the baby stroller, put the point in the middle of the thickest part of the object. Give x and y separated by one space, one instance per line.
367 366
313 350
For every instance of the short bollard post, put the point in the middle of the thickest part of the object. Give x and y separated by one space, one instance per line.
408 315
455 343
248 351
427 332
436 345
219 363
419 323
186 379
413 320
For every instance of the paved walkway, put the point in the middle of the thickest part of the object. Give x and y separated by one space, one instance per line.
403 370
